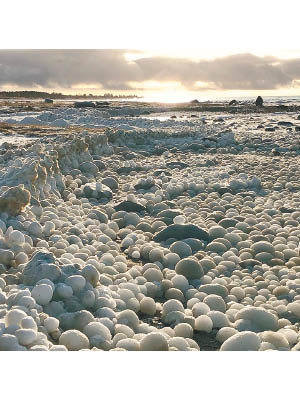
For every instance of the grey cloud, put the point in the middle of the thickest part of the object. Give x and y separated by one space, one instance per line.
109 69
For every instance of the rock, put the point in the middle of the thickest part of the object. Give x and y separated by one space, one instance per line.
181 232
259 101
129 206
270 129
14 200
176 164
233 102
41 266
195 101
297 128
84 104
285 123
48 101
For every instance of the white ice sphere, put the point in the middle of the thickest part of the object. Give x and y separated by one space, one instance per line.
128 317
129 344
264 319
35 229
14 317
225 333
28 323
277 339
290 335
51 324
42 294
190 268
219 319
179 343
26 336
77 282
215 302
8 343
179 219
203 323
74 340
97 329
58 347
148 306
47 282
172 305
16 238
154 341
153 275
183 330
200 309
170 260
64 291
294 308
243 341
21 258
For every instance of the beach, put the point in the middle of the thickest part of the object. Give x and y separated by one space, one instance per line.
149 226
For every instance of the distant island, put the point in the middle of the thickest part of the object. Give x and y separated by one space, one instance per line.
30 94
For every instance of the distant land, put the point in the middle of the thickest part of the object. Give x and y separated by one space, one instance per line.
29 94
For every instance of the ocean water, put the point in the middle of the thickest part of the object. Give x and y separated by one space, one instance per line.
182 98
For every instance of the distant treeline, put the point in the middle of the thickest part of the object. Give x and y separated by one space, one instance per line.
30 94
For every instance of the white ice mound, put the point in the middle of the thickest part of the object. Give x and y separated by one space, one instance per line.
243 341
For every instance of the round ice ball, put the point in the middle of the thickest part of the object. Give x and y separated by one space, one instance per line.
28 323
148 306
42 294
179 219
129 318
243 341
77 282
64 291
153 275
129 344
16 238
172 305
26 336
189 268
97 329
74 340
203 323
225 333
215 302
181 248
51 324
184 330
14 317
154 341
200 309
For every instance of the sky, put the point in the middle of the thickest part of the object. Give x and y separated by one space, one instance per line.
170 50
156 73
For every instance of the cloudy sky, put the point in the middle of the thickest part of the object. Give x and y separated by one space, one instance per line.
142 72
